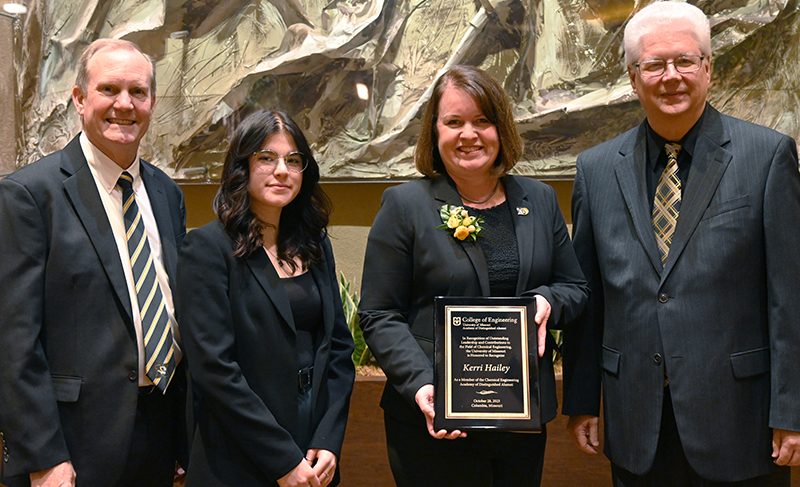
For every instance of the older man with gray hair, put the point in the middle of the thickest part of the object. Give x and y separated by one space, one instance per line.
686 229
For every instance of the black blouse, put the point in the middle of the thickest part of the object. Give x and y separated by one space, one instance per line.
499 244
306 304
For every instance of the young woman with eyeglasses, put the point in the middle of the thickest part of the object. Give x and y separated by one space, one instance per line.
259 309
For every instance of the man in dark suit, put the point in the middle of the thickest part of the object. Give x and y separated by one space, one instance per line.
86 396
693 327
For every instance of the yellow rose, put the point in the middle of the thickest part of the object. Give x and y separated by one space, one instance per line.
464 213
461 233
467 221
452 222
471 228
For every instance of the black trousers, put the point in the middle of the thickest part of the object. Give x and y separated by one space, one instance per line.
671 468
482 459
156 435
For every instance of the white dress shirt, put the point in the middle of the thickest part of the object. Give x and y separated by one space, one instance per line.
106 173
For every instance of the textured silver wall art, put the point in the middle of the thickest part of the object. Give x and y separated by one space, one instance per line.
560 61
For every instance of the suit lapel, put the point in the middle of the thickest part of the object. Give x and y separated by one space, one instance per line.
445 193
521 213
82 192
631 176
324 286
709 162
163 216
265 274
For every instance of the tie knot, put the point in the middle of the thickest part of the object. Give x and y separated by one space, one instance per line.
672 150
125 180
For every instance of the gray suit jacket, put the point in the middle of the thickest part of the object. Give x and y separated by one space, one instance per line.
721 319
69 387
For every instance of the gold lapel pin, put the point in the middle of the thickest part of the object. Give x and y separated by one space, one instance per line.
522 211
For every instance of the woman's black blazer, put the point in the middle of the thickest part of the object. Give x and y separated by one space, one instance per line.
239 338
409 261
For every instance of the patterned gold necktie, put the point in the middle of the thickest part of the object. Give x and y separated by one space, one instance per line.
159 352
667 203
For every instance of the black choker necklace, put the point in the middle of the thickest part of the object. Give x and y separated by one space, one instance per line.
496 185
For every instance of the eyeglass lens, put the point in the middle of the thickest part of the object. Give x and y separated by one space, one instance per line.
295 161
657 67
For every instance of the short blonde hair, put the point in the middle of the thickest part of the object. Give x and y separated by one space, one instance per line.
82 79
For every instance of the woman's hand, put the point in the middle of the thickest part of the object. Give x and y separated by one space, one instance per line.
424 398
542 315
325 465
301 476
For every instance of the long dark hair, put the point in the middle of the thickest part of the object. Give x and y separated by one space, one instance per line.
303 221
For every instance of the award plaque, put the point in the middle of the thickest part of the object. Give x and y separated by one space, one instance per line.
486 364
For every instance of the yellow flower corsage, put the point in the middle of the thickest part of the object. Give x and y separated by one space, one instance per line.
457 219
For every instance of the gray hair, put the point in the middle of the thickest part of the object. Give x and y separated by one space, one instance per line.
82 80
673 14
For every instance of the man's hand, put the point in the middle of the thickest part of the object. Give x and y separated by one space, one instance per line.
543 310
424 398
786 447
583 429
62 475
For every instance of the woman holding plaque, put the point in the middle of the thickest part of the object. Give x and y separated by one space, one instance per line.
261 317
465 229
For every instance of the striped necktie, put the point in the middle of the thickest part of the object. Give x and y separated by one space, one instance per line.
667 202
158 347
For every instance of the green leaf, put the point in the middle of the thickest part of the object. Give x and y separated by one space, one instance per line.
361 355
559 338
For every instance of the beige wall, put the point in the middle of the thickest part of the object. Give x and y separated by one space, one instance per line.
355 206
7 121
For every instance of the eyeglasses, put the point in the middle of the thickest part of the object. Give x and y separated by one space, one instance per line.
266 160
657 67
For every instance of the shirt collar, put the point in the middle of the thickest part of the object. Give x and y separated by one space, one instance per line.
656 143
105 170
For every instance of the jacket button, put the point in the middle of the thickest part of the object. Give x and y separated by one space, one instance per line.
657 358
132 375
663 297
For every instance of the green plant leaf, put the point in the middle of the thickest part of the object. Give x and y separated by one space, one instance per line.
559 338
361 354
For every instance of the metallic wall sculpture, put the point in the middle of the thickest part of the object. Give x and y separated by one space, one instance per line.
355 73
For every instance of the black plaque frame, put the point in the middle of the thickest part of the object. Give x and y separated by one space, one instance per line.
487 374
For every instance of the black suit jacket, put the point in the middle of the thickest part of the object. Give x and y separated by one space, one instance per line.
409 261
69 356
721 319
239 338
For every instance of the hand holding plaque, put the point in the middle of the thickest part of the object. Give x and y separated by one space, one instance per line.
425 400
486 364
